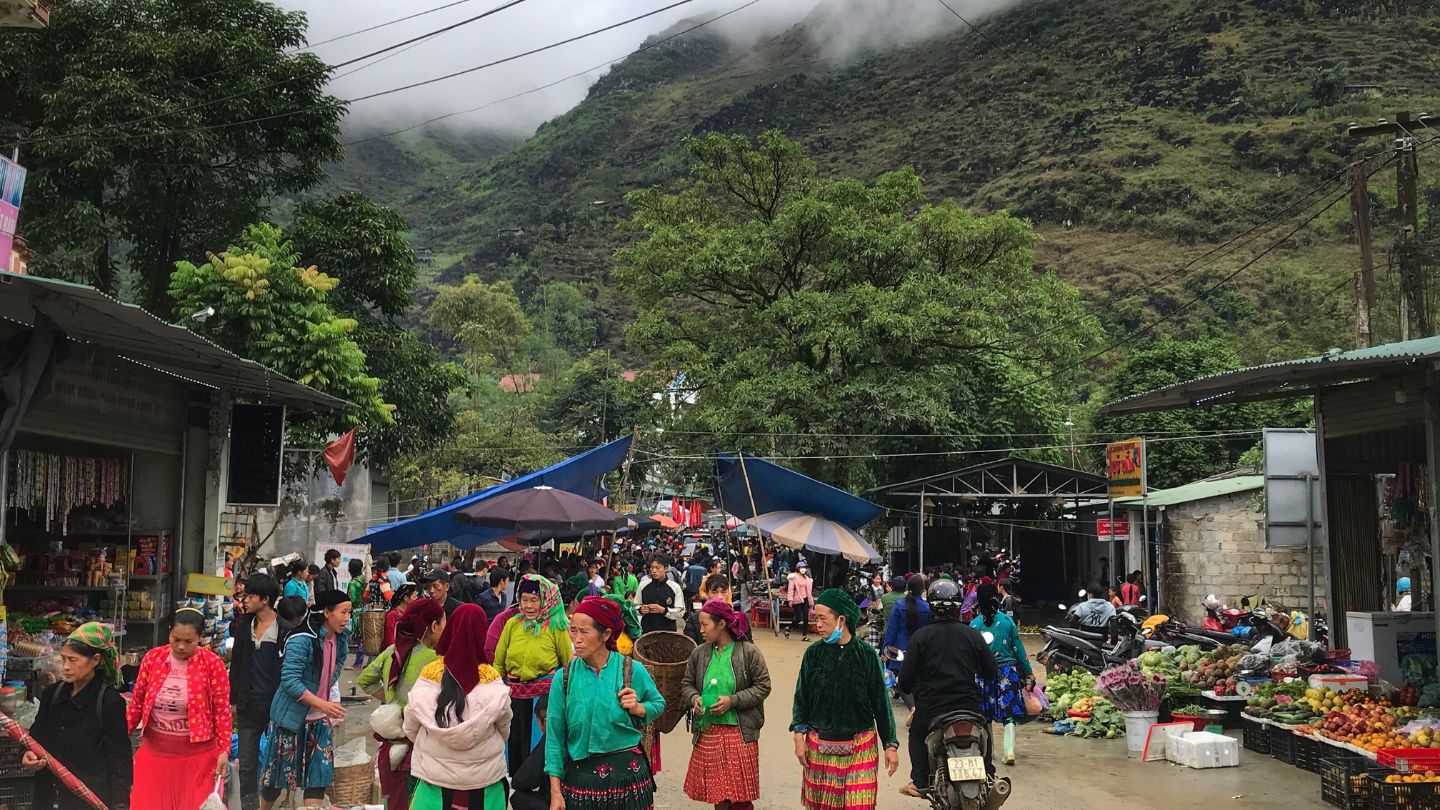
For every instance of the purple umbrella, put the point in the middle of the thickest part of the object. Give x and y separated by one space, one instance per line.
540 508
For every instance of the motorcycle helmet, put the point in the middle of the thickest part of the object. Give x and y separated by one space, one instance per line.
944 597
1403 585
1212 602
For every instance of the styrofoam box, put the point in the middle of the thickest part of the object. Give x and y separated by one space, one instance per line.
1339 683
1204 749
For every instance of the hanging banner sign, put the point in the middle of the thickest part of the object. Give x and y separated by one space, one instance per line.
1125 467
12 188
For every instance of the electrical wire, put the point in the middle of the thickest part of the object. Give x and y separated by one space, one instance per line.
562 80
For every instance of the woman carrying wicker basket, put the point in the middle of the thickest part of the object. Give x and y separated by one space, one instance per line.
390 678
531 648
726 683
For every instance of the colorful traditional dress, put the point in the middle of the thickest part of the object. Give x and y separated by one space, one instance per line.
184 708
723 767
843 709
592 745
527 654
1003 698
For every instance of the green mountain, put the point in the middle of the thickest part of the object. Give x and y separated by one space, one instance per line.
1137 137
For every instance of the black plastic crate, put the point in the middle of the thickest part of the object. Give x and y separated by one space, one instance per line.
1282 744
1392 796
1255 736
1345 780
10 753
17 794
1310 752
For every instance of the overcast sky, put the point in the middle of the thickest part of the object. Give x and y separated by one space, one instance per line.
852 25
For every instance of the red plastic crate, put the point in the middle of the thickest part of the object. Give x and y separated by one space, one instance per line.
1406 760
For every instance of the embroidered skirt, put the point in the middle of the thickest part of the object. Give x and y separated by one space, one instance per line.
619 780
723 767
172 773
299 760
1001 699
840 775
432 797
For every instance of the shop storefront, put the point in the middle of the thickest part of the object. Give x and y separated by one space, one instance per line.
114 442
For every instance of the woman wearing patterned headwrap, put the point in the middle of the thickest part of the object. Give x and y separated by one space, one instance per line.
726 683
459 716
842 713
392 675
182 700
532 646
81 723
597 708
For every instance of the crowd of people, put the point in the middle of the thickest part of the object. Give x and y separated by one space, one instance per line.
514 686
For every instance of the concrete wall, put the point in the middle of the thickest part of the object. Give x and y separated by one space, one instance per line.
1218 546
325 514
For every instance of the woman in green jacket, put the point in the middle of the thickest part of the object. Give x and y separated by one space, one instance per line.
390 677
1003 698
726 683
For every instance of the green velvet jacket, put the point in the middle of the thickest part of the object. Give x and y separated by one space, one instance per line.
841 691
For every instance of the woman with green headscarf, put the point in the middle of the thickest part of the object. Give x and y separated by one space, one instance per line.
81 723
533 645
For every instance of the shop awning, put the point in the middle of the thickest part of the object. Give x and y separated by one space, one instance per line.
777 489
129 333
1288 379
578 474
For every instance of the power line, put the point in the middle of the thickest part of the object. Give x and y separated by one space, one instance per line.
1003 51
378 26
272 85
542 87
531 52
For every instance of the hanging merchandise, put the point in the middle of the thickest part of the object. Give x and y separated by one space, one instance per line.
48 486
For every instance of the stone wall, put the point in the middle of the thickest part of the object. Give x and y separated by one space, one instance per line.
1218 546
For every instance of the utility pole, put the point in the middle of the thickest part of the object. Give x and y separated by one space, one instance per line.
1414 319
1365 279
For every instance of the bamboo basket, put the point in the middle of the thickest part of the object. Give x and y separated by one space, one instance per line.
665 656
372 631
351 787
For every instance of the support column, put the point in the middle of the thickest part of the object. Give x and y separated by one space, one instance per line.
217 467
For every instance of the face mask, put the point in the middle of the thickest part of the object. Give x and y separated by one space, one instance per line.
833 637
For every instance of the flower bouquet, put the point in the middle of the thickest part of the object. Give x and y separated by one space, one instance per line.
1130 690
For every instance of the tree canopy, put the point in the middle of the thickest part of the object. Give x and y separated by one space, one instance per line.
836 309
486 320
153 129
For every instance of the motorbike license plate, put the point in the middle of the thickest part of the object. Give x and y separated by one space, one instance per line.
966 769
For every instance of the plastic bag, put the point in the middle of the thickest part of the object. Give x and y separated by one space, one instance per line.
1035 701
215 801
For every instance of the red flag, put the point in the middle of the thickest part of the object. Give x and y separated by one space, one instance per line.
697 514
339 455
677 511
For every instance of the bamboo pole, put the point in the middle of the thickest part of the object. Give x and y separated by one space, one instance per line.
769 581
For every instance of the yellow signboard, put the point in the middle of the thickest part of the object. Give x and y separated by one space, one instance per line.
209 585
1125 467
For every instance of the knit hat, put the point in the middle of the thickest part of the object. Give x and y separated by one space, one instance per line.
840 602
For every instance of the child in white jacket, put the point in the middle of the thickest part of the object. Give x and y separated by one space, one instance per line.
458 718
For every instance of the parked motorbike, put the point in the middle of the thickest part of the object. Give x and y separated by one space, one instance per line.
1176 633
1093 649
957 743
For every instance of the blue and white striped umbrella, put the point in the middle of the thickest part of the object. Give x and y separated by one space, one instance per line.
815 533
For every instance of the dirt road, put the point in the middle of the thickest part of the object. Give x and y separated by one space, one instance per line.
1050 771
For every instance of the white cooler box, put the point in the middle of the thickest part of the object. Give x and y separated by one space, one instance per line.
1204 749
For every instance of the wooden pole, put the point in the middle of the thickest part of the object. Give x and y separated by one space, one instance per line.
624 485
1415 322
769 581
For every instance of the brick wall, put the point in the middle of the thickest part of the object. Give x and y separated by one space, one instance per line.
1218 546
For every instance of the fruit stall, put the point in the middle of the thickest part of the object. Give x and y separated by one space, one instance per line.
1374 745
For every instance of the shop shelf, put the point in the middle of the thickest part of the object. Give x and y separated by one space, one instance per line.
1390 796
1345 781
1255 736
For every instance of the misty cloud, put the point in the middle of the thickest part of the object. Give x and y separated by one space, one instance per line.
841 29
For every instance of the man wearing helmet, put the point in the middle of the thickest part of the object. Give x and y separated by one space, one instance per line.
1402 587
941 665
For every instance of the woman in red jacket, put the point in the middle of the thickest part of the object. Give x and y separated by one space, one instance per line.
182 701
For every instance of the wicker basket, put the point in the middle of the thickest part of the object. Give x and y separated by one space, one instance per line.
665 656
372 631
351 787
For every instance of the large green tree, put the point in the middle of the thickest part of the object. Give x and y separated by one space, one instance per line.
364 246
1173 459
487 322
592 402
274 312
830 308
159 128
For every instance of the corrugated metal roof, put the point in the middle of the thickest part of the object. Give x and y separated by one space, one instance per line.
1198 491
1289 378
129 332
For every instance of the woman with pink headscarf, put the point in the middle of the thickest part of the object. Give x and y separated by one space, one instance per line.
726 683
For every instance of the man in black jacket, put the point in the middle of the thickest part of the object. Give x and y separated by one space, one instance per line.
940 667
254 676
329 577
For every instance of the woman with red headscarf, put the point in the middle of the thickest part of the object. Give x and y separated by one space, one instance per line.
390 677
726 683
597 707
459 717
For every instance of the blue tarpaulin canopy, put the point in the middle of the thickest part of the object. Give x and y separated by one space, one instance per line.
578 474
776 489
